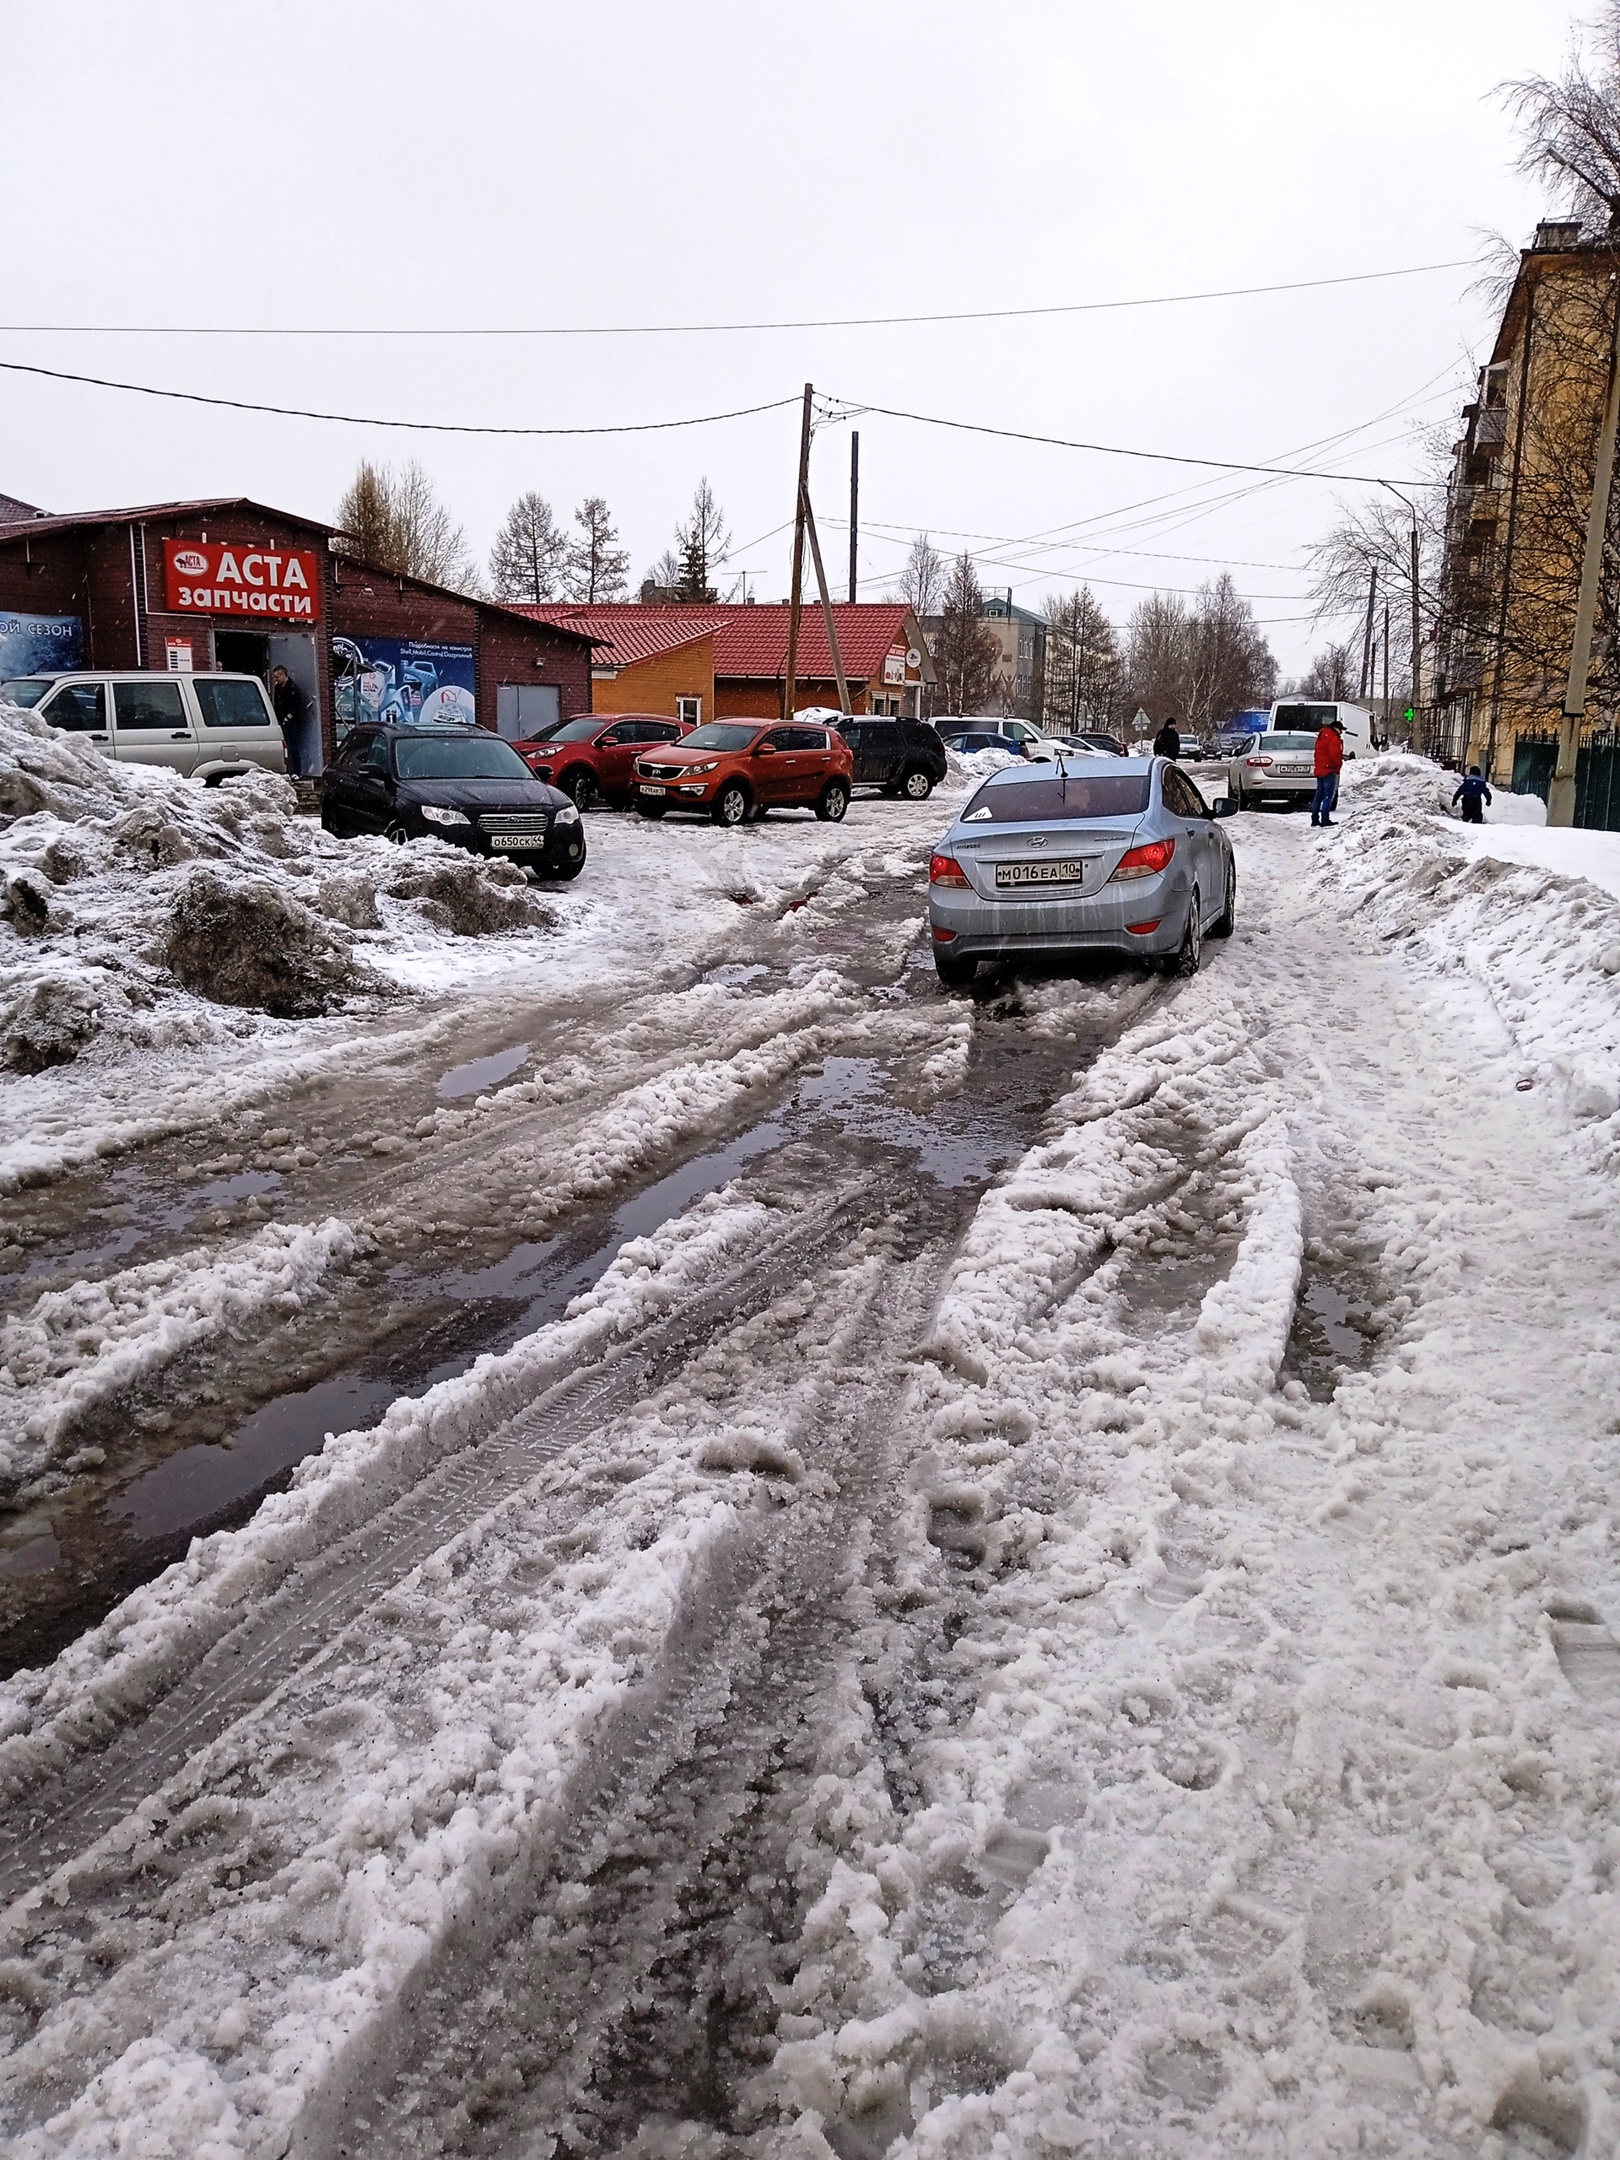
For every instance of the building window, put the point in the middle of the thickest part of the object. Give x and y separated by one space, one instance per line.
689 711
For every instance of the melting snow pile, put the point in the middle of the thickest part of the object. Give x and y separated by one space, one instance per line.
139 909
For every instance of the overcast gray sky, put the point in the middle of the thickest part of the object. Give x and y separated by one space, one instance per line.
495 165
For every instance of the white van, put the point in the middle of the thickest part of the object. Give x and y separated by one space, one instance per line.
209 725
1303 716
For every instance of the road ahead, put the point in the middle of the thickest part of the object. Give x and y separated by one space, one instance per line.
909 1571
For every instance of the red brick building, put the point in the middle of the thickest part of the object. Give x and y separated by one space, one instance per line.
229 583
648 653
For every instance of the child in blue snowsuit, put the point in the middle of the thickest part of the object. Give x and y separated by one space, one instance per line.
1473 792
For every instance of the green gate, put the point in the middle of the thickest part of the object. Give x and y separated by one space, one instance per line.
1597 776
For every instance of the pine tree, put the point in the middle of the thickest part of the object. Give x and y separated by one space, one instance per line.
597 566
397 521
531 553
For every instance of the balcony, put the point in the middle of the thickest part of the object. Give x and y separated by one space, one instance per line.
1490 431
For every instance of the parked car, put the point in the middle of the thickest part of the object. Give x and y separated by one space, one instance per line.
737 769
1109 745
209 725
898 757
455 783
1273 767
1018 736
1122 857
593 756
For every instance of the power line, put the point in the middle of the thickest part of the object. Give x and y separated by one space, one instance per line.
855 409
420 427
711 329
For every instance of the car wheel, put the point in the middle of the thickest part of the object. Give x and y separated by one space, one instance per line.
395 833
1185 961
954 974
569 870
653 810
580 789
834 802
917 786
731 804
1226 922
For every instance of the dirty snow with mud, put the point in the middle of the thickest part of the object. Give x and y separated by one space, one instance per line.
1218 1747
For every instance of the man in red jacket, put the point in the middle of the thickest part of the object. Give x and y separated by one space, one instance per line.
1329 763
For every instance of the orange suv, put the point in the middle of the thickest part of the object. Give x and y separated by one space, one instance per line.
736 769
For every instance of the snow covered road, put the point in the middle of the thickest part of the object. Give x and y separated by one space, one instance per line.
1058 1595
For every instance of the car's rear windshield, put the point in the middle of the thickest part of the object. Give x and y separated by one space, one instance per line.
1303 716
1289 744
457 757
721 735
575 731
1093 795
26 690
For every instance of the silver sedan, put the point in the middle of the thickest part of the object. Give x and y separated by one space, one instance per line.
1118 855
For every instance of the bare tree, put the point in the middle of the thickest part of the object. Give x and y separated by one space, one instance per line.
1334 674
921 584
1157 664
702 539
1230 667
663 580
965 652
396 521
1571 125
1377 534
596 563
1084 670
531 552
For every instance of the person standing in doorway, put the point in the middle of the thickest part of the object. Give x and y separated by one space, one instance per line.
1328 764
1167 743
1473 792
291 706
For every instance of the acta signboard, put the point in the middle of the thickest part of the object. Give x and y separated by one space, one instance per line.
226 577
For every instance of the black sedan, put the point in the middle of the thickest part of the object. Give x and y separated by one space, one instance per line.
460 784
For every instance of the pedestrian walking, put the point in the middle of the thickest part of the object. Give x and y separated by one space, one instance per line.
1328 764
1167 743
291 705
1473 792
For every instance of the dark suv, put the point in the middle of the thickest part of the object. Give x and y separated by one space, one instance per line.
900 757
460 784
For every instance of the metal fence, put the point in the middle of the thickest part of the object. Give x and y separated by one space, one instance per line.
1597 776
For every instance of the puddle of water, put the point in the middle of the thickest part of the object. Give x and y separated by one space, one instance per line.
735 973
37 1557
200 1482
1323 1345
957 1143
482 1073
241 1187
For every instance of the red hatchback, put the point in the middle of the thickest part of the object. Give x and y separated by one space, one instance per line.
593 755
735 769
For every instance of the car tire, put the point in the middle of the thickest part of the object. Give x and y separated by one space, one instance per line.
651 810
570 871
833 803
1226 922
1185 959
954 974
731 805
580 788
394 832
917 785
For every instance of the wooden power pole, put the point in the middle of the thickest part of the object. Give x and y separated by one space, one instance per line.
1561 795
844 705
1367 684
790 683
854 505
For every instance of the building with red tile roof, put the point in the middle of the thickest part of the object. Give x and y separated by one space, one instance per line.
641 650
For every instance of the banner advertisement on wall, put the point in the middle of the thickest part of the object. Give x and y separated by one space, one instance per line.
226 577
37 644
401 679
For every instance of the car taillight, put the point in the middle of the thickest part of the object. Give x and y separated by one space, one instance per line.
1257 761
946 870
1145 861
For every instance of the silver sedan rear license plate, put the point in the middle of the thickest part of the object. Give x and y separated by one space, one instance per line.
518 843
1066 870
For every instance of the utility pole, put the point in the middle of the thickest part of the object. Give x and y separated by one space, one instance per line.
1417 646
790 682
1561 795
1386 674
844 705
1367 636
854 508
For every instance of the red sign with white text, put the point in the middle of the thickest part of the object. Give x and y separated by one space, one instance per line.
230 577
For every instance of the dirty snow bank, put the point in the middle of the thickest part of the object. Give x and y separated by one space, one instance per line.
1514 909
140 910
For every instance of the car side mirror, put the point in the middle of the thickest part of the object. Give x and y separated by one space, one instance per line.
1224 806
765 749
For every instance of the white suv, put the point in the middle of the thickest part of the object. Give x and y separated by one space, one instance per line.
210 725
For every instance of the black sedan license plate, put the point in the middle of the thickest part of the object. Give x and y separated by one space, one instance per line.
1066 870
517 843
